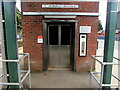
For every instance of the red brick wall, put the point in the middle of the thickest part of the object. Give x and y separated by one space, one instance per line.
83 63
37 7
32 26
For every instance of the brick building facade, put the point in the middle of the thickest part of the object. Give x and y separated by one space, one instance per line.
38 17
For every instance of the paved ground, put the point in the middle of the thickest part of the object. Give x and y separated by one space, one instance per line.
62 79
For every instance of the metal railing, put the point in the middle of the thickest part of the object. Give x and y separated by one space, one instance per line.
22 74
103 64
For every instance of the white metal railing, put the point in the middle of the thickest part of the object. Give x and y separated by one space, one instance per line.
103 64
22 74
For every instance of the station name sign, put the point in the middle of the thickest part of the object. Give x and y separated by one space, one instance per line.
58 6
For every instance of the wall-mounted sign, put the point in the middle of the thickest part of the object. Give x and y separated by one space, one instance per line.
40 39
85 29
58 6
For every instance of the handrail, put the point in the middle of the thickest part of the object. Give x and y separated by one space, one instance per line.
100 82
116 58
27 72
102 56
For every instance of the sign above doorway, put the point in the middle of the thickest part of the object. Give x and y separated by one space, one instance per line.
59 6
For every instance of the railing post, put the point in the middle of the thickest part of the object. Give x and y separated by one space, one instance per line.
9 13
109 40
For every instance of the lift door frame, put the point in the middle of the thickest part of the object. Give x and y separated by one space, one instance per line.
45 46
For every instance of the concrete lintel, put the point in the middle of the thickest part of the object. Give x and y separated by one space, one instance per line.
63 13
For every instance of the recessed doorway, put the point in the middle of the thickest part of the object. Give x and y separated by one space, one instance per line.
59 45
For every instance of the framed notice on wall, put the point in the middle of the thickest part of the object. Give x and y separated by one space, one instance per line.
85 29
82 45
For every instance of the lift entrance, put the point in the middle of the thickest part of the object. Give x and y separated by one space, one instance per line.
59 45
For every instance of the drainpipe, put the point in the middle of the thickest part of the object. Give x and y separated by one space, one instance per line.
9 16
109 40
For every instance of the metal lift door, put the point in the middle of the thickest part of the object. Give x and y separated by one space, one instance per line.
59 45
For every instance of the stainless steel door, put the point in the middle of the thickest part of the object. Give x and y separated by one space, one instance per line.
59 45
